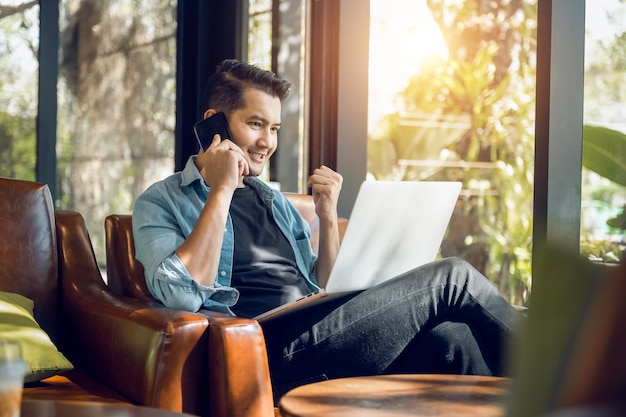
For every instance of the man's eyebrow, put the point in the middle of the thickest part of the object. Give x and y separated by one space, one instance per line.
262 119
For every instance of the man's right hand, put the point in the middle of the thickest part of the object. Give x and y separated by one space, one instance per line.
222 164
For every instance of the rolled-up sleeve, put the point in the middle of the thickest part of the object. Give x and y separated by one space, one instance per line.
174 286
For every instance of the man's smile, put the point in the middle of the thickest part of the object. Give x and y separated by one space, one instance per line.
257 156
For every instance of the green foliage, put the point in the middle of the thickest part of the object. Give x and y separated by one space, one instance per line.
619 222
601 250
18 51
502 133
17 147
604 152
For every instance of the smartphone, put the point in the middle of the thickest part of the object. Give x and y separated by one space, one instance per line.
207 128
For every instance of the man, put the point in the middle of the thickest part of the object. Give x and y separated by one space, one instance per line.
214 236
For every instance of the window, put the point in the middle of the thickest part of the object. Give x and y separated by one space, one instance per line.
603 211
276 33
117 105
336 47
19 45
260 33
451 97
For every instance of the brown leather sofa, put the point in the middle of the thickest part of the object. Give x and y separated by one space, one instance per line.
238 375
123 350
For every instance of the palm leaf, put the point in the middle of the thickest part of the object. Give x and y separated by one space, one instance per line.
604 152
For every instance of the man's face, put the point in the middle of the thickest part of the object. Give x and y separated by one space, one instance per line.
255 128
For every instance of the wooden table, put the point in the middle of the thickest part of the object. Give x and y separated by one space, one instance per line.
399 396
54 408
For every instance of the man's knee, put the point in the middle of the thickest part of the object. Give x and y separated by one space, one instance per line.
458 265
453 348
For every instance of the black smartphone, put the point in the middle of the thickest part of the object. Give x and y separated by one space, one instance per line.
207 128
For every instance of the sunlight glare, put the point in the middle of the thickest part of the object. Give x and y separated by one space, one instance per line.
403 36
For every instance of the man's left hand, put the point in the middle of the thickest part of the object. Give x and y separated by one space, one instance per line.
326 185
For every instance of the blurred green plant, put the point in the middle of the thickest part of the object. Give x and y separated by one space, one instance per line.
18 104
17 147
604 152
601 250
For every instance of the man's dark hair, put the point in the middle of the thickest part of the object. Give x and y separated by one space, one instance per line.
224 90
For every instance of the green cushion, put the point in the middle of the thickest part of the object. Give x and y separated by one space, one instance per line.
18 323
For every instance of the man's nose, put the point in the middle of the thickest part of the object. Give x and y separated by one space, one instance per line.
265 138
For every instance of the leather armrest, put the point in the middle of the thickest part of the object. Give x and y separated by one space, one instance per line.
238 368
149 354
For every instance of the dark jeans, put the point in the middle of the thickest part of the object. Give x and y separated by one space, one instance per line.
443 317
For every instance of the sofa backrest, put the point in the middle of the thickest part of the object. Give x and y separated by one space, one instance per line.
28 247
125 275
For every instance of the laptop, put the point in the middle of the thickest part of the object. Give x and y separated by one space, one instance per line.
395 226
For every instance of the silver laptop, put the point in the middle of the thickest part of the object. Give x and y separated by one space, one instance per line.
395 226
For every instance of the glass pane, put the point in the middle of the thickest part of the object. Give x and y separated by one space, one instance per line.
276 42
260 33
19 66
117 105
603 211
260 47
452 97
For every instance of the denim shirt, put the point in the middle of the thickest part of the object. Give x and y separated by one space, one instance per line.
166 213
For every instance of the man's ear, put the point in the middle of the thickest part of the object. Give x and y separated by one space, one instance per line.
209 113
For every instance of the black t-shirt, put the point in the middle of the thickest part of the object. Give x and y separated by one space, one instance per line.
264 264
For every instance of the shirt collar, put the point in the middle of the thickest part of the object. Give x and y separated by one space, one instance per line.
190 173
